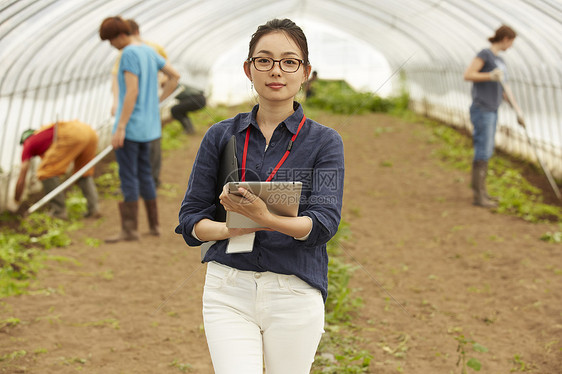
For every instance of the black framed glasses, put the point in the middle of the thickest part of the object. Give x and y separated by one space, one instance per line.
288 65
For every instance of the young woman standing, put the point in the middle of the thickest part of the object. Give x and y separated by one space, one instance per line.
267 305
486 70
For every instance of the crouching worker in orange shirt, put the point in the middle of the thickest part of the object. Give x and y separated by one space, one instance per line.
59 144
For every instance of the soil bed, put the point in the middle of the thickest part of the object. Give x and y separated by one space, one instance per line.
456 269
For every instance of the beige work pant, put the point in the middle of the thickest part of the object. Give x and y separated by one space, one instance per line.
73 141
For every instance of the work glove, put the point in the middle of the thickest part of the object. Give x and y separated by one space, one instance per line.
496 75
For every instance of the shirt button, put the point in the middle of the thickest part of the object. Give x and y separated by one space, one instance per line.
272 144
257 275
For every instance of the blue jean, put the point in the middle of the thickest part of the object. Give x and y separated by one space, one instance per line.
255 318
134 171
484 124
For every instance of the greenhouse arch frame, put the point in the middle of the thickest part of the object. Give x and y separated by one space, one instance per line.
54 65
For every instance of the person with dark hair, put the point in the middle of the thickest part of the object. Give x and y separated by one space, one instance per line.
264 302
190 99
155 153
486 70
59 145
134 31
137 123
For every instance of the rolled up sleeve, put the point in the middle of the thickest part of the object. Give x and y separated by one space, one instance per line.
325 200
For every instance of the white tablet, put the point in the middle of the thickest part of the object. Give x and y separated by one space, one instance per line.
281 198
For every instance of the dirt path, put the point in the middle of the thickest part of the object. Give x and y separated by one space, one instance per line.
456 269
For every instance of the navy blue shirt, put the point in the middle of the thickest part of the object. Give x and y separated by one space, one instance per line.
488 95
316 160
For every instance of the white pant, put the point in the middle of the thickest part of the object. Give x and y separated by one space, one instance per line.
251 318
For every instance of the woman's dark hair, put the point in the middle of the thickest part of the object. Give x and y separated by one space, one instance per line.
285 25
502 33
112 27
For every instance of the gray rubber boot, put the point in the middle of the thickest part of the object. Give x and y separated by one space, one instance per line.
57 204
129 211
472 182
479 174
90 192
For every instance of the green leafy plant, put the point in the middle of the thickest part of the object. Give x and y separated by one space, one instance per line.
173 136
553 236
93 242
73 360
184 368
472 362
17 263
520 365
337 96
340 303
350 361
337 352
9 322
108 184
13 355
22 246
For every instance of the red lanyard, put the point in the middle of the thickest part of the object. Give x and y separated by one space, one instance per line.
243 177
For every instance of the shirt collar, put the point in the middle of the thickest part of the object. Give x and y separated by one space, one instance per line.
292 122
